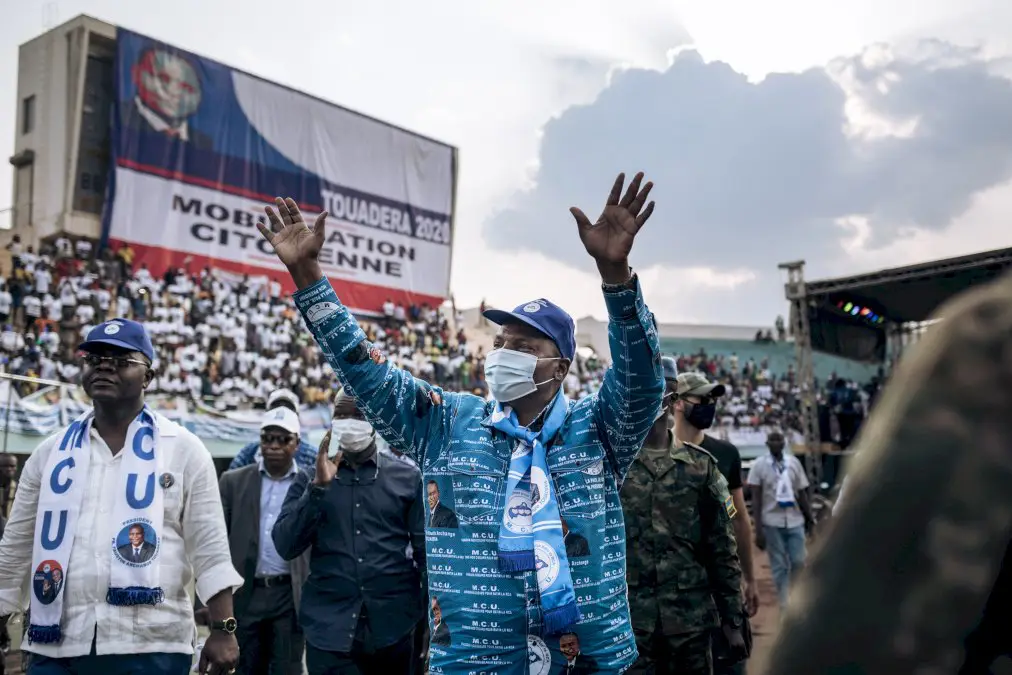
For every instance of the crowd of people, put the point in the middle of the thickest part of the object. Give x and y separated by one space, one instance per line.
759 398
515 531
229 341
224 339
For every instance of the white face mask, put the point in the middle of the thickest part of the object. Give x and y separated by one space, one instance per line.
350 435
510 374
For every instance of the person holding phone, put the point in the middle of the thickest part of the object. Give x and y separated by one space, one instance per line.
363 597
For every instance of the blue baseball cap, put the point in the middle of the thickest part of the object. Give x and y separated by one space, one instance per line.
122 333
546 317
670 367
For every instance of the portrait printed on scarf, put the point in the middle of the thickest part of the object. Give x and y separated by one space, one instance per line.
439 498
136 544
47 582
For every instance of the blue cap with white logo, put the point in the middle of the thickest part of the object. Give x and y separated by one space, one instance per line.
122 333
546 317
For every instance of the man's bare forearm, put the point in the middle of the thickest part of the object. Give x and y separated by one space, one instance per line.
219 607
306 273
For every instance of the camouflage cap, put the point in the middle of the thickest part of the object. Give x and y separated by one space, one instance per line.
696 384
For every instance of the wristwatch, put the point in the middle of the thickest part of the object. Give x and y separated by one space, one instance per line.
225 625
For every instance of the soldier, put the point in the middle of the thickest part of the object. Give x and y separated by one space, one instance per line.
682 563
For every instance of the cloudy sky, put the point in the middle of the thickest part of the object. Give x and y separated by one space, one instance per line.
855 135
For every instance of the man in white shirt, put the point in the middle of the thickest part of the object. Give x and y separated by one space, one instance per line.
33 309
43 278
778 483
97 621
6 303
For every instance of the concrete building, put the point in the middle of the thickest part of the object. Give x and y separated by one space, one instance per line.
61 147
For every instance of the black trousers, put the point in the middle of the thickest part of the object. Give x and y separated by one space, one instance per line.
270 642
399 658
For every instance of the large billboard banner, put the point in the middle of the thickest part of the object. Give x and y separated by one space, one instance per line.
199 148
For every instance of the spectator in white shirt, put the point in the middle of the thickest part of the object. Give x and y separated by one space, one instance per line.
6 303
83 249
43 278
94 631
33 308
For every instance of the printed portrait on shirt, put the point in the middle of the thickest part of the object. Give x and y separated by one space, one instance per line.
439 632
136 544
576 662
577 545
439 500
47 582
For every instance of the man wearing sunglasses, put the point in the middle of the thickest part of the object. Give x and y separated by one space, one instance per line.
266 607
305 455
119 466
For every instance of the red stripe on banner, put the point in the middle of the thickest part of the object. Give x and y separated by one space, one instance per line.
354 295
162 172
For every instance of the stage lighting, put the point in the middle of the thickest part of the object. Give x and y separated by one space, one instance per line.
857 310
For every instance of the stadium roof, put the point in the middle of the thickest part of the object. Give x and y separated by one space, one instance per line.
913 293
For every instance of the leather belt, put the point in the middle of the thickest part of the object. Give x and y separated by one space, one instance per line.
267 582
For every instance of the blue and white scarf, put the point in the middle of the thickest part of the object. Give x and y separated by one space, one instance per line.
133 578
530 537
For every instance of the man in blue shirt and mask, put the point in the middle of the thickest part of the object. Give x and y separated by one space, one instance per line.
512 468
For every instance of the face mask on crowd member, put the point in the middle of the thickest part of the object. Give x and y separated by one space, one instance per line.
350 432
697 399
531 353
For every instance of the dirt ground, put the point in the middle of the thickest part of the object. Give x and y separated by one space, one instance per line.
764 624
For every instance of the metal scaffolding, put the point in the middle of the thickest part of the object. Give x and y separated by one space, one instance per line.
797 294
909 297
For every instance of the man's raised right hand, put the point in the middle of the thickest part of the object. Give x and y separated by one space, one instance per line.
296 244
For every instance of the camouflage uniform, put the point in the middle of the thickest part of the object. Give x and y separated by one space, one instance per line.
682 562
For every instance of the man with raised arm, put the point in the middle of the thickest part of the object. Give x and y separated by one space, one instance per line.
512 468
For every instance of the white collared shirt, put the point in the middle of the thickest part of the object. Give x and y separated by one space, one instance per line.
194 543
159 124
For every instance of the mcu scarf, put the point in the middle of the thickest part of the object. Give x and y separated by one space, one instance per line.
530 537
133 578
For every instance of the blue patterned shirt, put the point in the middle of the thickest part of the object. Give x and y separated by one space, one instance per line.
491 621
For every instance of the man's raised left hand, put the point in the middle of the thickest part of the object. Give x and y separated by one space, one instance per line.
609 240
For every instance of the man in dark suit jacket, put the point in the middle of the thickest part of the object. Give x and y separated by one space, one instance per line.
439 515
266 607
440 633
138 550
